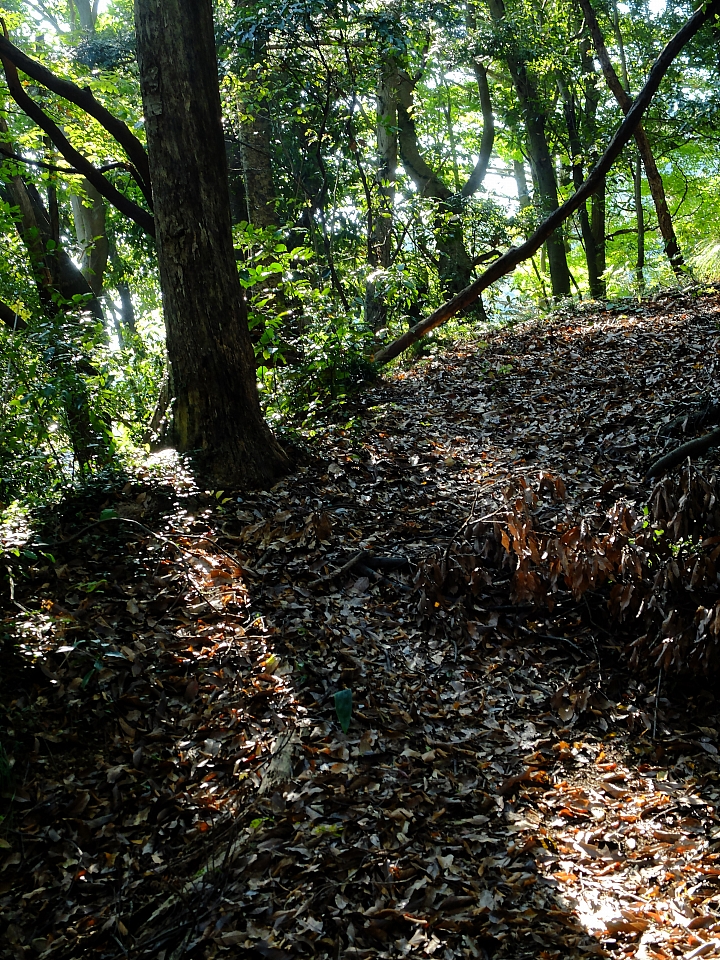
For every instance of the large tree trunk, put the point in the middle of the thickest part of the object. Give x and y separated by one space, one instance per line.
217 411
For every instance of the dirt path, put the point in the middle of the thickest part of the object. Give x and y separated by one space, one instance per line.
180 783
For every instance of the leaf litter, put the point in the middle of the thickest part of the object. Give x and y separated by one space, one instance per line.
383 709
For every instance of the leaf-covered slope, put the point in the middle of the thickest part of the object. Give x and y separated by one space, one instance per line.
177 779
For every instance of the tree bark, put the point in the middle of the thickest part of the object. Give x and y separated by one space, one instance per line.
216 411
654 178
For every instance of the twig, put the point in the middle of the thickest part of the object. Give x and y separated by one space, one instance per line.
657 701
548 636
360 557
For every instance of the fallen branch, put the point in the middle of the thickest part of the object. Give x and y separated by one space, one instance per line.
516 255
692 448
366 564
360 557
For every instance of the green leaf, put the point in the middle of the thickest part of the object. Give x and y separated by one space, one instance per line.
108 514
343 708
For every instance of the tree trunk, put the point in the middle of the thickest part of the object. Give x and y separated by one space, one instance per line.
576 154
85 12
57 280
255 152
91 233
455 269
597 225
127 310
217 411
380 230
540 159
640 219
521 184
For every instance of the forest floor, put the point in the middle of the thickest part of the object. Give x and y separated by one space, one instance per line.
176 780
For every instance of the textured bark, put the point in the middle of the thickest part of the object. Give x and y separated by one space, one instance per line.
652 174
540 159
216 410
255 135
238 199
255 152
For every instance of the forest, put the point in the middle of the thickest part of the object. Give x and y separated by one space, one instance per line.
359 495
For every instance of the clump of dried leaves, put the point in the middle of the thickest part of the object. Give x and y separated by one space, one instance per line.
655 568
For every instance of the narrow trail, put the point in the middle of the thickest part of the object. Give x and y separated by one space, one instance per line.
180 784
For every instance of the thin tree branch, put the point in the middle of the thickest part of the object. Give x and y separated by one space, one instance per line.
70 171
39 8
516 255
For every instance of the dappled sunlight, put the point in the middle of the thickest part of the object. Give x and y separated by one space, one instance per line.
498 786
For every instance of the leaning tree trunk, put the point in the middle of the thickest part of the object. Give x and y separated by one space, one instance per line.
217 411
